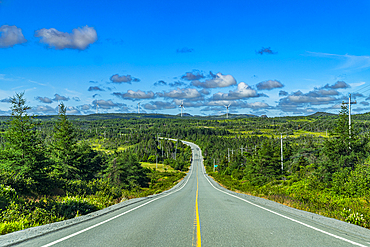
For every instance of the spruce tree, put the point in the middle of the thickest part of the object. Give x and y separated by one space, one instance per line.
63 149
342 149
24 152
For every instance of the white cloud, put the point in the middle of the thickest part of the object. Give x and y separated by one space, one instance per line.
256 105
41 109
132 95
79 39
243 91
269 85
124 78
72 110
218 80
186 93
105 104
11 36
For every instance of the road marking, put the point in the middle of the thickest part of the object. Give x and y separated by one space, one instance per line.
199 238
286 217
119 215
281 215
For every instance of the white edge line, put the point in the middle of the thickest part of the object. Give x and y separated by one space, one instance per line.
119 215
286 217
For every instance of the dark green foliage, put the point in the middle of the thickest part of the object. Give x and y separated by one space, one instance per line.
124 170
343 150
24 154
64 147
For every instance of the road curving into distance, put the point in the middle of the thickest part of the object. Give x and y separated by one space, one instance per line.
199 212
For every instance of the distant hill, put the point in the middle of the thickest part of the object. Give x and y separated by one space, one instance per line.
184 115
320 114
235 116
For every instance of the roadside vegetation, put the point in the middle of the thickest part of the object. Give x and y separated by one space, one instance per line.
52 171
54 168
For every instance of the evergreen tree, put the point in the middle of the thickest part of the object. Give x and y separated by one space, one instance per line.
63 148
24 152
342 149
125 171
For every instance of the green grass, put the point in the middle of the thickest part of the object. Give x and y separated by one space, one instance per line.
159 167
97 145
275 133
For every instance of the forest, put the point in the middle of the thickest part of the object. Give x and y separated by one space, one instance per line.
58 167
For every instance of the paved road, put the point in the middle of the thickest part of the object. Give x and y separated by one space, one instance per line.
201 213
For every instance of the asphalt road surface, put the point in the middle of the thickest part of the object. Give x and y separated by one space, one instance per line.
199 212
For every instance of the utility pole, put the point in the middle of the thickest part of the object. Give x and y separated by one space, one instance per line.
138 108
281 149
156 161
349 117
228 155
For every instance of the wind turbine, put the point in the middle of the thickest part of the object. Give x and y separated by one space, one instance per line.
227 110
138 108
182 106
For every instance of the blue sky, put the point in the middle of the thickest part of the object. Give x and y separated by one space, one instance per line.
279 58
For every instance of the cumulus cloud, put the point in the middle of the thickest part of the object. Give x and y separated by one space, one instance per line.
337 85
124 78
186 93
44 100
191 76
177 84
6 100
79 39
218 80
299 103
72 110
160 83
84 107
184 50
357 95
265 50
283 93
132 95
269 85
11 36
243 91
159 105
256 105
188 102
96 88
40 109
313 97
221 103
96 95
58 97
204 91
364 103
105 104
76 99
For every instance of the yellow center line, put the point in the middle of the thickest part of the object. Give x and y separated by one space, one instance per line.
199 239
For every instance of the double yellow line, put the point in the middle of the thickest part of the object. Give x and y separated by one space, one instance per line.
198 236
